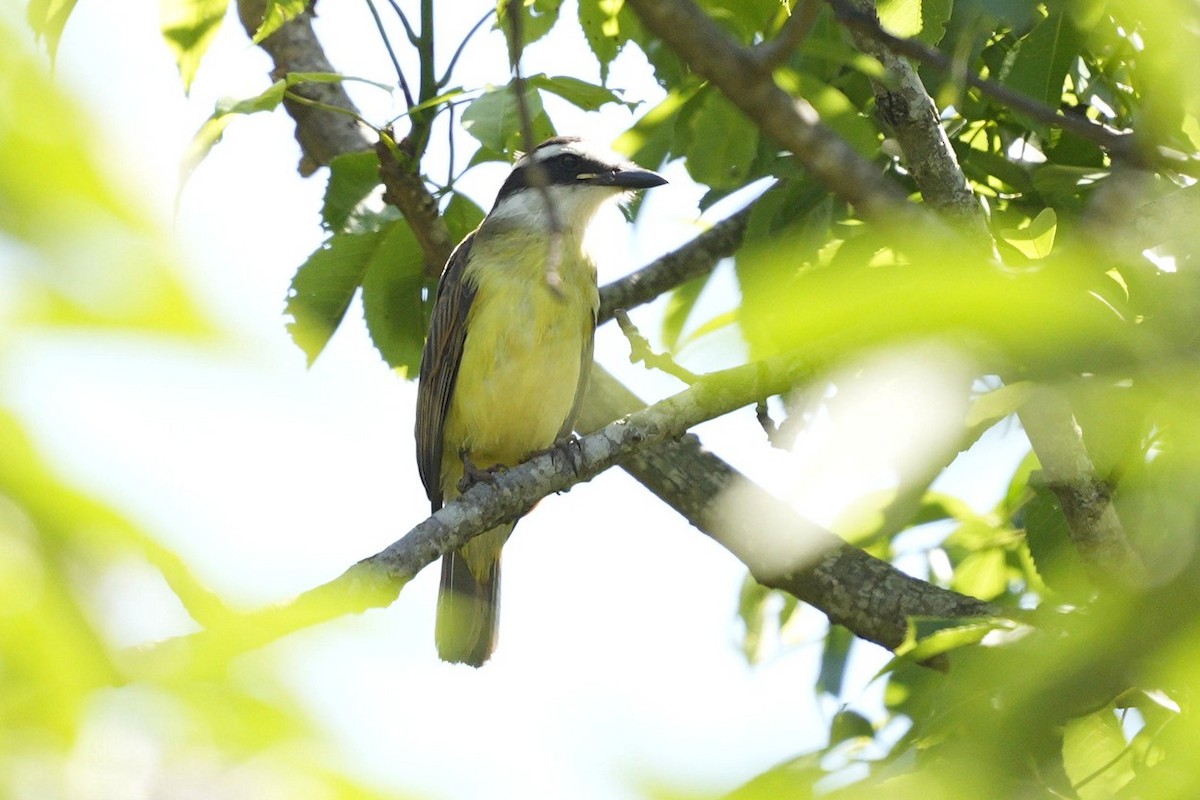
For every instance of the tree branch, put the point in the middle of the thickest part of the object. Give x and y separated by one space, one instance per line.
294 48
907 110
860 18
789 121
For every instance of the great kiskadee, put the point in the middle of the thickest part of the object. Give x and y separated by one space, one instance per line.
508 354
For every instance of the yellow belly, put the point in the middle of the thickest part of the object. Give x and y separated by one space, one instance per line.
521 359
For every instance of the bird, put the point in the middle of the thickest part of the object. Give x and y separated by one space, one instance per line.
508 354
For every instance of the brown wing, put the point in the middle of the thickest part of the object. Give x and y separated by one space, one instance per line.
439 367
585 374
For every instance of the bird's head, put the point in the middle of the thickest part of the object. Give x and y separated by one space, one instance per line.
576 177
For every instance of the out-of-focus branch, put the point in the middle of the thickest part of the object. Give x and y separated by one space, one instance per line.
790 122
868 596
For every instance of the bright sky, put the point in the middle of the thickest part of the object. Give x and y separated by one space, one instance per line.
618 665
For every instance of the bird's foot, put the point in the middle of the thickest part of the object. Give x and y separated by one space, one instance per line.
566 453
473 474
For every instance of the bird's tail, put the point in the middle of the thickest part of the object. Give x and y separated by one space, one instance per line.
468 609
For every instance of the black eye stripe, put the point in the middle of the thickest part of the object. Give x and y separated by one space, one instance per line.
562 169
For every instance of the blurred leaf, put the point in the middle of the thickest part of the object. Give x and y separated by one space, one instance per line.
924 20
679 307
1096 756
581 94
793 780
848 724
601 29
835 109
323 287
211 129
991 407
189 27
1049 317
352 178
835 656
750 610
1038 65
933 636
48 18
278 13
983 574
1036 239
1049 541
111 267
725 143
650 139
494 121
395 276
938 506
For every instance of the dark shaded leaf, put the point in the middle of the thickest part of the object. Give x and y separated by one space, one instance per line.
352 177
392 288
495 122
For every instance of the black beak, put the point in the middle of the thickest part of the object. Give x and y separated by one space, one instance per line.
628 177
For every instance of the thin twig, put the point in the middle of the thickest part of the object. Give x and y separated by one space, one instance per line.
640 350
795 30
462 46
387 43
413 38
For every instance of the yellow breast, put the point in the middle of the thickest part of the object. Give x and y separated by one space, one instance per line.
523 352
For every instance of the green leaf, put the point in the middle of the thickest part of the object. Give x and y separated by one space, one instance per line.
48 18
602 30
924 20
983 574
724 143
991 407
835 108
1036 238
323 287
650 139
462 215
392 304
1049 541
932 636
835 656
1096 756
189 27
269 99
679 307
537 18
495 122
277 14
847 725
582 94
352 178
938 506
1038 65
